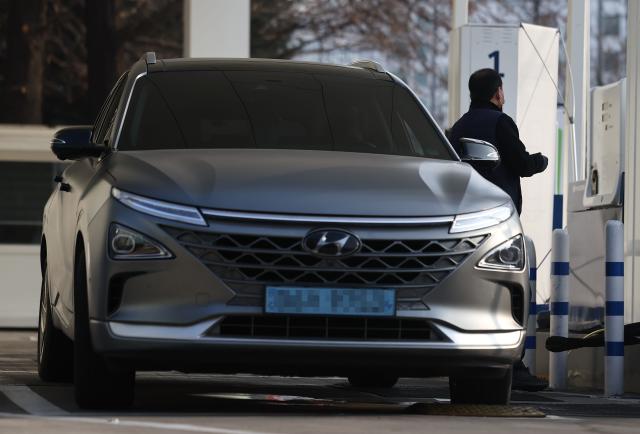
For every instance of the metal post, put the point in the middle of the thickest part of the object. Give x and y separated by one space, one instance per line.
460 15
530 341
559 306
577 89
614 317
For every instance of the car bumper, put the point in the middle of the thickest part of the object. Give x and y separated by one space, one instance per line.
164 308
190 348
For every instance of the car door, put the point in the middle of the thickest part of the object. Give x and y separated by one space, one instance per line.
77 177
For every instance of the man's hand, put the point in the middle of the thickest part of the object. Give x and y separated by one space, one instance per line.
543 162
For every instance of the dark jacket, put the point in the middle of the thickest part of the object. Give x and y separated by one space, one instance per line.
485 121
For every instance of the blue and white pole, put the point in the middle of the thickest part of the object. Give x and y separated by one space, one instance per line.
530 340
559 306
614 310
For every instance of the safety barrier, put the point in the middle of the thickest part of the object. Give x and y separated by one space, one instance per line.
614 309
559 306
530 340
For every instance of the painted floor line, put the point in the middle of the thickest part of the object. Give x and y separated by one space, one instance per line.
30 401
134 424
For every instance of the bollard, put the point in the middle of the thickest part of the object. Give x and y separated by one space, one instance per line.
532 323
559 306
614 310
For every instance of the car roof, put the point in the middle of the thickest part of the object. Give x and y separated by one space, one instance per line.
267 65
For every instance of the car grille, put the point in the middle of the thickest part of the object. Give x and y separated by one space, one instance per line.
248 263
323 327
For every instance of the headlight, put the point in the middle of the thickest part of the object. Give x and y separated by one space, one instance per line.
482 219
507 256
125 243
158 208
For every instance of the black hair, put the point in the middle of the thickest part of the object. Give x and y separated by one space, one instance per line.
483 84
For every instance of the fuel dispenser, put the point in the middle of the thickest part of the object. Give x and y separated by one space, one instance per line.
526 56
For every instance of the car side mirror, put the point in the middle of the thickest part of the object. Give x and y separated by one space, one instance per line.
73 143
479 153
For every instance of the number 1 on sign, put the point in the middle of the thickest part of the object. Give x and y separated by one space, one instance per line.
495 55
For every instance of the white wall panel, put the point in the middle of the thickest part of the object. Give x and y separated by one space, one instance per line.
20 285
217 28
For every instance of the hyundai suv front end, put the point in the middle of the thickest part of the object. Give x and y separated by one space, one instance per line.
275 217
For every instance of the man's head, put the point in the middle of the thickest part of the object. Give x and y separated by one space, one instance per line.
485 85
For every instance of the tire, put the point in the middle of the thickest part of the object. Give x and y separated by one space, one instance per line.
481 390
97 387
367 380
55 350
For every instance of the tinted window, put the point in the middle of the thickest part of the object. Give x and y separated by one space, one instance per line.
360 115
106 117
274 110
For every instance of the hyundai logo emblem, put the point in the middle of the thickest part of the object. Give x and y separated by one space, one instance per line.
331 242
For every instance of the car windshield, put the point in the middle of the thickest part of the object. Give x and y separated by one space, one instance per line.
277 110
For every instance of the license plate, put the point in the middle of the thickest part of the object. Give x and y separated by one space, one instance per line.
330 301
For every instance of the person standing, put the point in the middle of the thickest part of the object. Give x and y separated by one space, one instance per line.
486 121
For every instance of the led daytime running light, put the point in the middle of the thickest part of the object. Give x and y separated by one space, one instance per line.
158 208
480 220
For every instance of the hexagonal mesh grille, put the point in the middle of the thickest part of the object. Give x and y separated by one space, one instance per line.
247 262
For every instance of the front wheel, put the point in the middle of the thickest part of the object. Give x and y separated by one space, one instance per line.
97 386
55 350
481 389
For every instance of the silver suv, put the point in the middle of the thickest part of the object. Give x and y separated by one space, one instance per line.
276 217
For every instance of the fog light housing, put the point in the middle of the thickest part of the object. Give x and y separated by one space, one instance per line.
125 243
507 256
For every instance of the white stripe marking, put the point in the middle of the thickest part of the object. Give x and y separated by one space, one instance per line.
169 426
135 423
30 401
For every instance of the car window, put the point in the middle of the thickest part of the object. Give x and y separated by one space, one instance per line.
360 114
277 110
411 134
106 117
283 110
151 125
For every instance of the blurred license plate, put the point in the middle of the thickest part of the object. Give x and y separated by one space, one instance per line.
330 301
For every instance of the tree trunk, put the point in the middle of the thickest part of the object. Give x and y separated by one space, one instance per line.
22 102
101 51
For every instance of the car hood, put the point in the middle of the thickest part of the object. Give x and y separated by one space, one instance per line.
305 182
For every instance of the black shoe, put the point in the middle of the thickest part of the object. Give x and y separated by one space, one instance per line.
523 380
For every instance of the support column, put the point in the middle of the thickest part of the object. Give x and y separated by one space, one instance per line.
459 17
217 28
460 13
632 168
578 21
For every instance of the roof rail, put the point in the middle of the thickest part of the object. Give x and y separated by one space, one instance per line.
149 57
368 64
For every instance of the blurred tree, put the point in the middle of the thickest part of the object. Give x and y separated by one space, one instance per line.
77 66
99 17
285 29
147 25
409 36
65 82
22 99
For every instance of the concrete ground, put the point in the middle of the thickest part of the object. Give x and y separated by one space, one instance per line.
243 404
